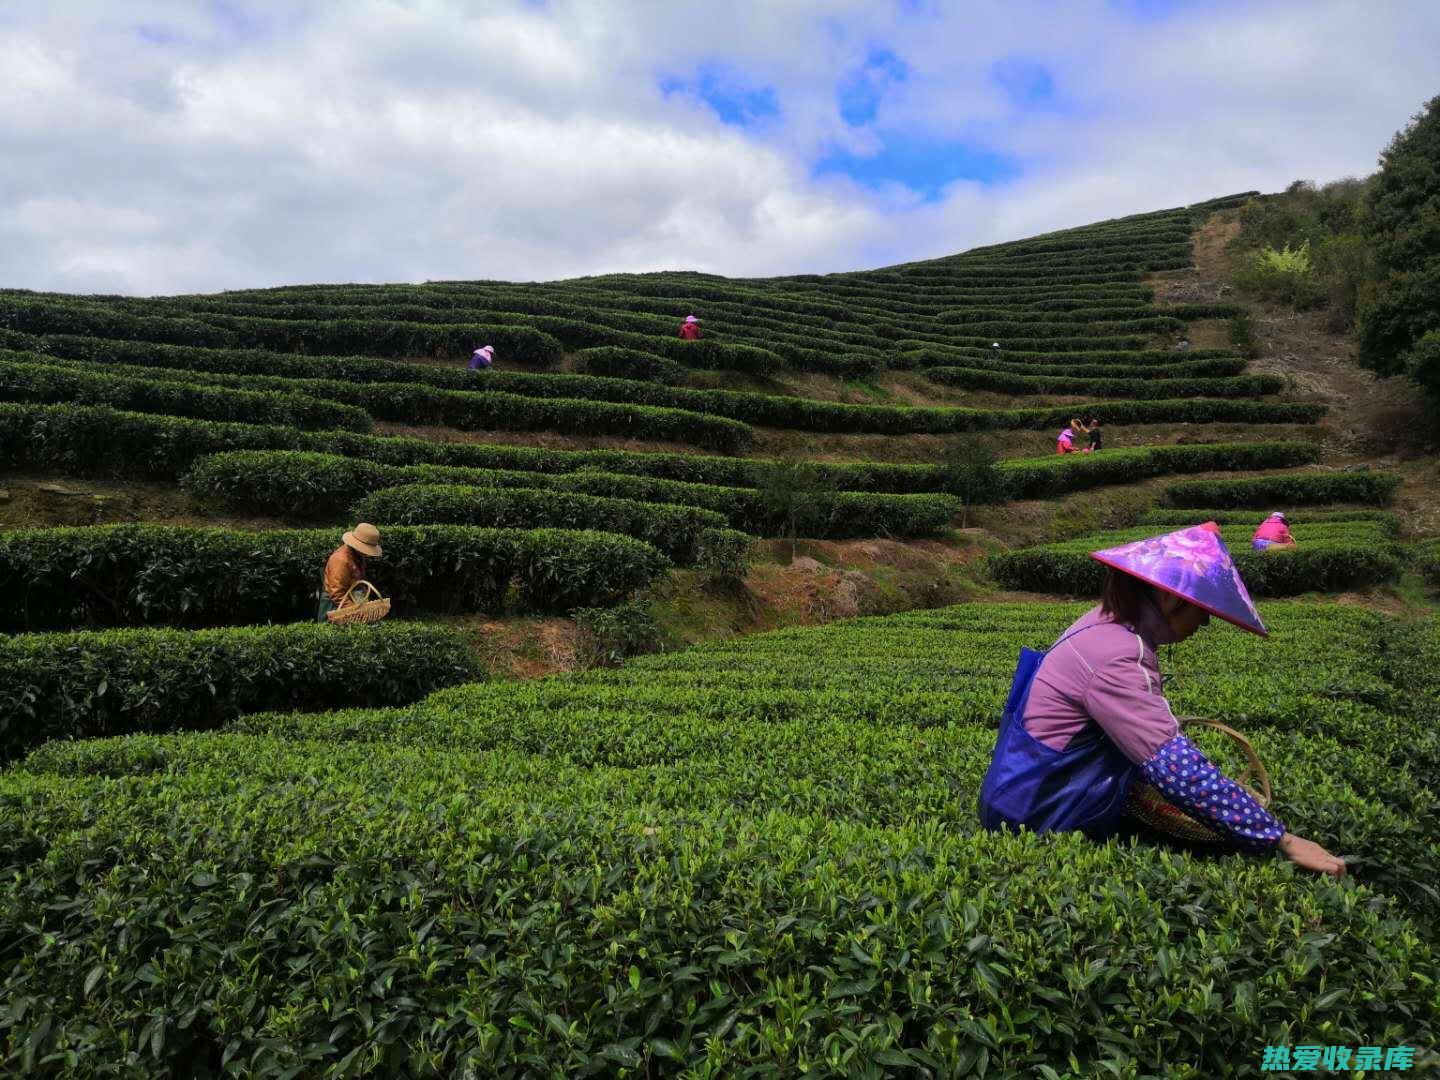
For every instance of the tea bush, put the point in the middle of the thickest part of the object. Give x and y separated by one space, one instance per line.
1295 489
120 575
675 530
757 856
24 381
1329 557
111 682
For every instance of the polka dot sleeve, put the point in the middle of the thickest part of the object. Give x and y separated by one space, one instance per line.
1190 781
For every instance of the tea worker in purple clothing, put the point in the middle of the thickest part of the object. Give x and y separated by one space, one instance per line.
482 358
1087 724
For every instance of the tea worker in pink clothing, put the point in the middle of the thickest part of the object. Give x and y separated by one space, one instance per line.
1065 442
690 329
1274 531
482 358
1086 724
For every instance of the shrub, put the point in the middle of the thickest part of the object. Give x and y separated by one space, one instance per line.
609 635
672 529
1285 276
1242 335
118 575
86 684
615 362
1294 489
1426 558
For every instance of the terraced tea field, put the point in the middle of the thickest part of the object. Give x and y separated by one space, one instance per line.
236 842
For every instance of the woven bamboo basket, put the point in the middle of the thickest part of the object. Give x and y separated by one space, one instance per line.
366 605
1152 808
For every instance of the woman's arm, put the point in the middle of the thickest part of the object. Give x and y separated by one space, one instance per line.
1191 781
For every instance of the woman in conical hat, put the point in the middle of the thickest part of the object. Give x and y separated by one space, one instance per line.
1087 722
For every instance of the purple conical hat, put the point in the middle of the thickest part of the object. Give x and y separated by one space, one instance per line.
1193 564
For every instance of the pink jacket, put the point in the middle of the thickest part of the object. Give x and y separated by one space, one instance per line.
1107 676
1274 530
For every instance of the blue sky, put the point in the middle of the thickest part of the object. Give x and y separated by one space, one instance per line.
163 147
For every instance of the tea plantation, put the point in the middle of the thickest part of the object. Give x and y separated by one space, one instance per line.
237 842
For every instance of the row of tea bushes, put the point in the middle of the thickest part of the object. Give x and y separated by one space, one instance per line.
1146 386
750 857
99 441
1280 492
1331 557
92 683
125 575
411 393
675 530
284 482
1057 474
484 406
1181 519
23 379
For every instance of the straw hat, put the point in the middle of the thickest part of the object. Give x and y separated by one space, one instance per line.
365 539
1193 564
691 318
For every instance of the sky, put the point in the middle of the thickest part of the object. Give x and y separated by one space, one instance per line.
152 147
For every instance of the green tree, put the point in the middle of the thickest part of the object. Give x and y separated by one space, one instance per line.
792 492
1402 223
972 474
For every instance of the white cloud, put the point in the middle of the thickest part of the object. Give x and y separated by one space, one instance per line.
265 143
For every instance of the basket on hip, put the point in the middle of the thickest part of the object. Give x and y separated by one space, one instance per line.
363 604
1153 809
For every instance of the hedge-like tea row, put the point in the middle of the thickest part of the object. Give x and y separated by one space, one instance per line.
1220 365
289 484
40 314
683 860
1327 558
97 441
675 530
838 514
611 361
124 575
1180 519
542 404
1146 387
1058 473
401 392
22 379
92 683
1280 492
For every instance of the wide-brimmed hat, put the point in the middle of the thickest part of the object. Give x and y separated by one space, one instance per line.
1193 564
691 318
1282 517
486 349
365 539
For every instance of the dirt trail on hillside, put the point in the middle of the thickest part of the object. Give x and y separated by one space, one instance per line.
1371 421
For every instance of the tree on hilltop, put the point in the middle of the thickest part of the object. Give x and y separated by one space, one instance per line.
1398 320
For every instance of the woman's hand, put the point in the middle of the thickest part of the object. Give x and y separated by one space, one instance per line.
1310 855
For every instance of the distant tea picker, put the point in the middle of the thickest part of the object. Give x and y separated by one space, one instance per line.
690 328
482 358
1087 740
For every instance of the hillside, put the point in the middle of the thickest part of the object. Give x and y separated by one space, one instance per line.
236 834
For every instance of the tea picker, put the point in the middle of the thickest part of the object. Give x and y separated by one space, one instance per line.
1274 531
346 597
1087 739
